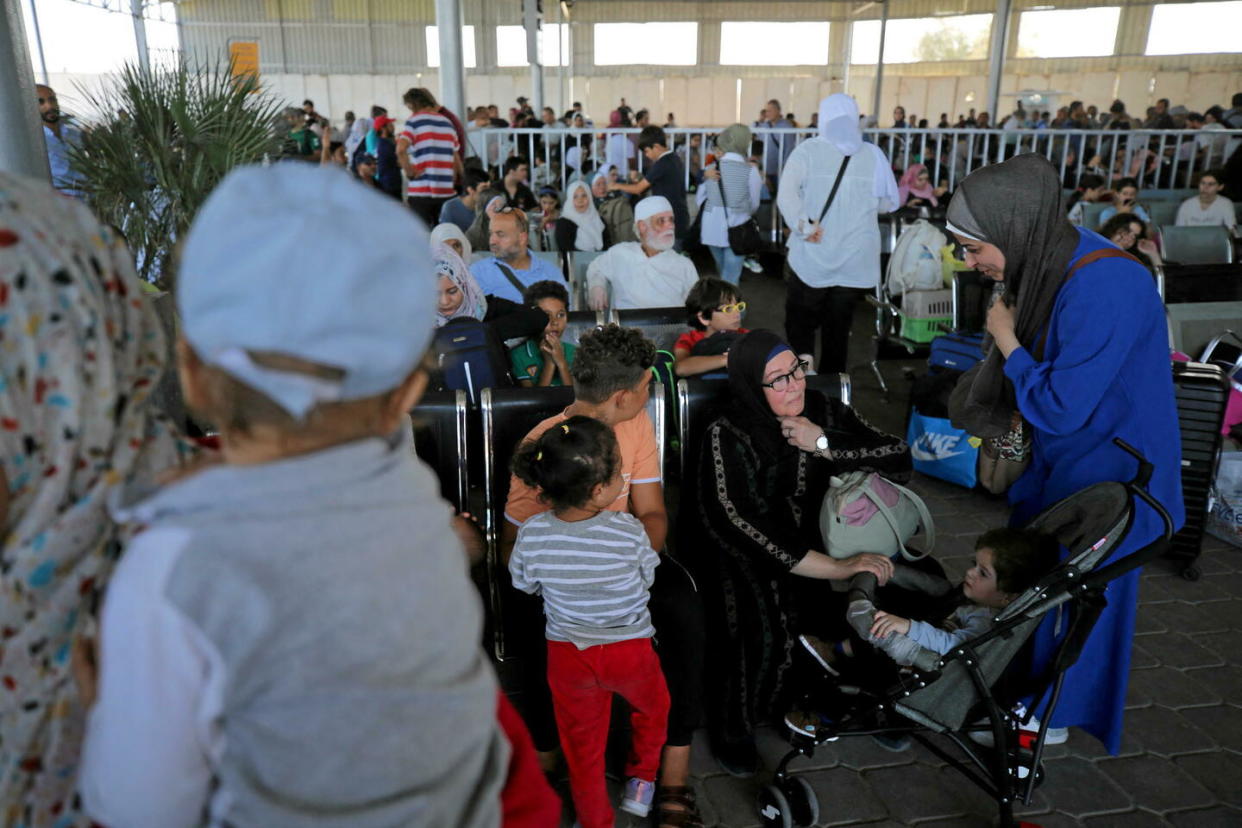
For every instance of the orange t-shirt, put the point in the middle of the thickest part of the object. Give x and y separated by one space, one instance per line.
640 463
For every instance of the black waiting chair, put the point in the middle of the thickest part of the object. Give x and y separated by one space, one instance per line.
1197 245
1185 284
661 325
581 321
440 441
508 414
699 399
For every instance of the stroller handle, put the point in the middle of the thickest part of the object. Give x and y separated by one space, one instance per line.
1143 476
1152 550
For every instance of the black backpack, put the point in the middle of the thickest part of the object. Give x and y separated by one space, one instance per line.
470 358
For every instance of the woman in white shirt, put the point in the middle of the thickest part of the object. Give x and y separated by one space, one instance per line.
1209 208
730 199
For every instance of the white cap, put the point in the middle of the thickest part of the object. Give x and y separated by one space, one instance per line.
306 261
650 206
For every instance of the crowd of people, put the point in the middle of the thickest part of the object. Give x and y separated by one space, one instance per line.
220 692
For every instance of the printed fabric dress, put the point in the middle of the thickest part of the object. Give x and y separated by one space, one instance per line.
81 351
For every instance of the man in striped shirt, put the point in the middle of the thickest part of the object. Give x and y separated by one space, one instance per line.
430 153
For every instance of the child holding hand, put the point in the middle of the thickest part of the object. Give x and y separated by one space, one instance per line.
593 567
1007 562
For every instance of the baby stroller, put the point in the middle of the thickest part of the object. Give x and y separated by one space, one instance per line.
944 694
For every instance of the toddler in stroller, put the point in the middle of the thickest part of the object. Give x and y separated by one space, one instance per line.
1007 562
943 693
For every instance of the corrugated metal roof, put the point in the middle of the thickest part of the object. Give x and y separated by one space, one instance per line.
386 36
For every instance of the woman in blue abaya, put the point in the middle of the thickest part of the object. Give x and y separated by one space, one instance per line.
1080 350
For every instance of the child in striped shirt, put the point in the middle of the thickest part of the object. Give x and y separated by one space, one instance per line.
593 567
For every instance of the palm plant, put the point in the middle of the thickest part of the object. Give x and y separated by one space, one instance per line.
162 141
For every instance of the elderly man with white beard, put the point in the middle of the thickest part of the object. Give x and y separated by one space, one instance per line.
647 273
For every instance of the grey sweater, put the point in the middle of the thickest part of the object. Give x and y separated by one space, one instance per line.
326 604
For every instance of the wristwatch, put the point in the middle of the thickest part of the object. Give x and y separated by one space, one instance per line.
821 445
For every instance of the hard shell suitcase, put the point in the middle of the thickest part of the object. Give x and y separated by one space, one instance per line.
955 351
1202 392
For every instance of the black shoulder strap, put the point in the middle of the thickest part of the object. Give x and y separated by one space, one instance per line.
832 195
513 279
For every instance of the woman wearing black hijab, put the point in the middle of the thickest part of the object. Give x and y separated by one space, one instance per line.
754 506
1079 349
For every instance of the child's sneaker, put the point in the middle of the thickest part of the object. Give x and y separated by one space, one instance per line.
809 723
638 796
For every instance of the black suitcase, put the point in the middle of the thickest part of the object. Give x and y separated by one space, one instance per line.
1202 392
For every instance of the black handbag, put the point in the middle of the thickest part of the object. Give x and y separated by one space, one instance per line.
745 239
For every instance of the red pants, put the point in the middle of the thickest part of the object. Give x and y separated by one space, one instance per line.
527 800
582 684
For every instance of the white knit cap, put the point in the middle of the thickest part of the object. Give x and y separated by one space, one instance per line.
302 260
650 206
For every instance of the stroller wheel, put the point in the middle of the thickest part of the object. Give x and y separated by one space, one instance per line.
774 808
803 803
1191 572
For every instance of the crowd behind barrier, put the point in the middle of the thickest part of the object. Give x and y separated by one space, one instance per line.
1157 158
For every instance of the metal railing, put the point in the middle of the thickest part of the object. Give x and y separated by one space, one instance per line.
1157 159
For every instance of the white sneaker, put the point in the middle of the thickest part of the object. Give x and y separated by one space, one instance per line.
1056 735
752 265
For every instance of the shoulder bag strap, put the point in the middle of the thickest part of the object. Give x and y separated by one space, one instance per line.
513 279
1090 258
833 194
724 197
924 516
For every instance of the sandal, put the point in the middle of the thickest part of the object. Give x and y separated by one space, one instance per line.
685 814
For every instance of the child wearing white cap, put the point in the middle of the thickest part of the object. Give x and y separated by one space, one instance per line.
294 638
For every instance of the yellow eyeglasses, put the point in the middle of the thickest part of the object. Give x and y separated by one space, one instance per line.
737 307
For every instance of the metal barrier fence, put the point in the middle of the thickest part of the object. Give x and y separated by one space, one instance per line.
1157 159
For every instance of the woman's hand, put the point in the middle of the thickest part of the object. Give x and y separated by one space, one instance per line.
800 431
711 174
885 625
1001 326
1148 247
881 566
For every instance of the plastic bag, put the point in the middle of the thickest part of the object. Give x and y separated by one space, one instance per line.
1225 504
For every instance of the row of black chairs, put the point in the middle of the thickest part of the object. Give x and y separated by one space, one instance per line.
447 436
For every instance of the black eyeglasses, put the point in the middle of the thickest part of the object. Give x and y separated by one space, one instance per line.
782 382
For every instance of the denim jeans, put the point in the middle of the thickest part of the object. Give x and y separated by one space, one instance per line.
728 263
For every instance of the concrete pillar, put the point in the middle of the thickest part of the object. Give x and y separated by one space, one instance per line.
34 18
996 56
533 18
452 57
22 149
140 34
879 64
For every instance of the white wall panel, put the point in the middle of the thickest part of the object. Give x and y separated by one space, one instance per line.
700 103
724 102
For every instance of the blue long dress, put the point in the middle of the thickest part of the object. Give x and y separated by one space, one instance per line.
1105 374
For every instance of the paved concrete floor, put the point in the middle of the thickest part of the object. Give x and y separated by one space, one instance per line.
1181 759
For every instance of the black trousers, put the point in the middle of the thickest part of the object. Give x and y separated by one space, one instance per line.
677 614
426 208
831 310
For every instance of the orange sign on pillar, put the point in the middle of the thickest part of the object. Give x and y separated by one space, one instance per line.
244 58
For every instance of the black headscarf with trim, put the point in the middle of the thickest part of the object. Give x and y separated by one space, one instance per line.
1017 206
748 408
